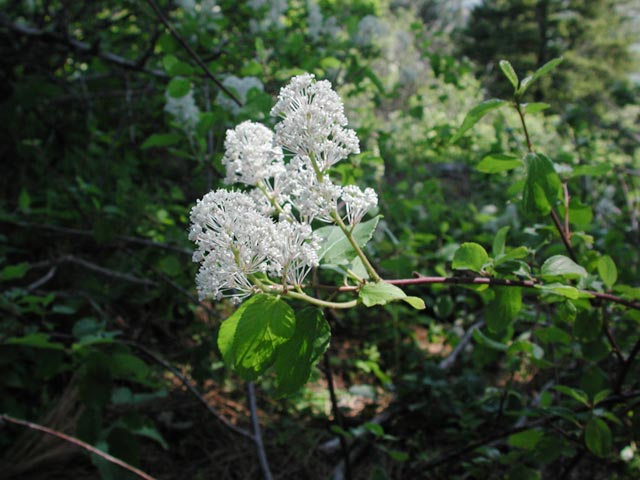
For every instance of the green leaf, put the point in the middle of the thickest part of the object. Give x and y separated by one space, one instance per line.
470 256
296 357
475 114
553 334
161 140
543 70
597 437
607 270
335 248
600 396
499 241
14 272
175 67
482 339
178 87
382 293
542 185
415 302
526 440
591 170
535 107
514 254
561 290
574 393
24 200
171 266
561 266
510 73
498 162
249 338
587 326
503 308
35 340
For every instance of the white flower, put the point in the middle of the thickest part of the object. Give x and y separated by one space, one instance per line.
297 251
233 239
184 110
370 29
250 156
313 121
241 87
357 202
273 16
310 197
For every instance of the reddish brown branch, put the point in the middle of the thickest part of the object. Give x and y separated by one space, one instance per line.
77 442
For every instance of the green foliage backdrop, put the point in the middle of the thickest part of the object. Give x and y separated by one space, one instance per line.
509 207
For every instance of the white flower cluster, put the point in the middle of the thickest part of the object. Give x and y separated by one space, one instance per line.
260 239
241 87
184 109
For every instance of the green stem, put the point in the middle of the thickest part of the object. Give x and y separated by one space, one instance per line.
271 199
320 303
347 232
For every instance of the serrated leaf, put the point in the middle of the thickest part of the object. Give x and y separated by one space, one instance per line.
502 310
543 70
597 437
498 162
336 249
296 357
607 270
248 340
178 87
470 256
513 254
161 140
535 107
475 114
542 185
482 339
562 266
574 393
509 72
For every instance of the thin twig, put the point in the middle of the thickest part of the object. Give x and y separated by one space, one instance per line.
191 387
88 233
77 442
257 434
191 52
610 338
447 457
337 417
422 279
626 366
44 279
563 235
81 47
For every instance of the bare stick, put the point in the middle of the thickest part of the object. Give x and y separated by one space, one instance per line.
191 52
81 47
257 434
191 387
337 418
78 442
